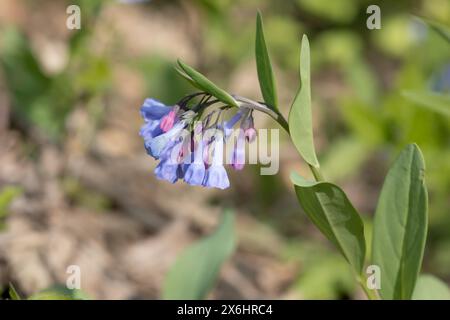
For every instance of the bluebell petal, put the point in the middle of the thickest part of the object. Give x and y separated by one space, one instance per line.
216 177
182 168
153 109
157 144
167 171
150 130
195 174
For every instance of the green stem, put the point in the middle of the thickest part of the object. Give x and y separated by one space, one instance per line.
316 173
371 294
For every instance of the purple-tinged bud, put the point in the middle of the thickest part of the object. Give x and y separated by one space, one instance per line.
250 134
238 160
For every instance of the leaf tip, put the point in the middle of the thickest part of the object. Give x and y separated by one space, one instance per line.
305 39
180 63
259 23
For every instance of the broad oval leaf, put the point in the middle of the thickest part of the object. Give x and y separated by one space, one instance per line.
332 212
300 115
400 225
429 287
195 271
207 85
264 67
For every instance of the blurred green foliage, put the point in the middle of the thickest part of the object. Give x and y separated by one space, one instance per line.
56 292
7 194
59 292
324 273
82 196
44 100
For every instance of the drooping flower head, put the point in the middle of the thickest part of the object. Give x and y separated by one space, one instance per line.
189 140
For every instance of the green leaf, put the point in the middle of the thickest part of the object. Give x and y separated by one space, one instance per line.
187 78
400 225
195 271
433 101
300 116
264 68
13 293
429 287
330 210
206 85
59 292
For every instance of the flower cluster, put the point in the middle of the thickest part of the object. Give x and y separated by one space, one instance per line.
190 146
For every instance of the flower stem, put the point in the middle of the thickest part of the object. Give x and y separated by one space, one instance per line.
371 294
316 173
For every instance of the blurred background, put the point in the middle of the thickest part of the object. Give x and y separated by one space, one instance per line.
76 186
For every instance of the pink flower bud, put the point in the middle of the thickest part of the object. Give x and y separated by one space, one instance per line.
167 121
250 134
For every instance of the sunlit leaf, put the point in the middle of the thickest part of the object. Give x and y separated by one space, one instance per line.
400 225
300 115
